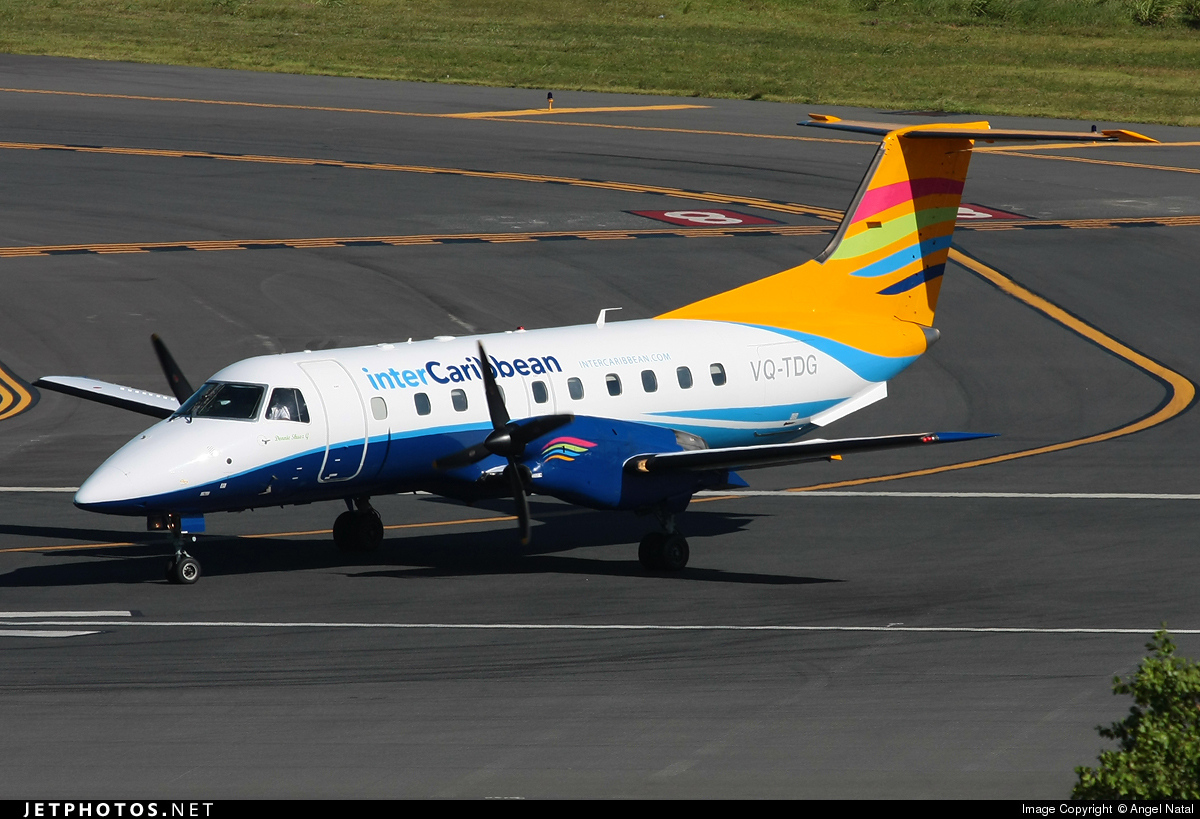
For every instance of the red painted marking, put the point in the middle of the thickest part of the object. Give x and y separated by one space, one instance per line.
704 218
978 213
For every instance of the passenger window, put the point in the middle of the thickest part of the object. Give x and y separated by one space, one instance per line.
540 394
649 381
575 387
717 371
287 404
459 399
422 402
378 408
613 382
685 378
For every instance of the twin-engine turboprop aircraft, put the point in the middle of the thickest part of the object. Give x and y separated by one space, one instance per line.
635 415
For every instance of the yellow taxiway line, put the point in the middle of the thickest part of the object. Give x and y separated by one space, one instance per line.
15 395
1180 391
828 214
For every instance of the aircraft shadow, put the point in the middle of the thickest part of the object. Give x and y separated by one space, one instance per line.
75 533
430 554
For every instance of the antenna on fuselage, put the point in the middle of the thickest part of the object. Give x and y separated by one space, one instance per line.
600 318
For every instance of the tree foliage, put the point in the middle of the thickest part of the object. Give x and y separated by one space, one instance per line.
1159 753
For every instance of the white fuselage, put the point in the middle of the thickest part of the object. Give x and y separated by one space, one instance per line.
378 415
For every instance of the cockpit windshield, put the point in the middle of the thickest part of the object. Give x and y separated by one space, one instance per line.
218 400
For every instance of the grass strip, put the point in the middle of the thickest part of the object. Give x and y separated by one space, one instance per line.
1081 59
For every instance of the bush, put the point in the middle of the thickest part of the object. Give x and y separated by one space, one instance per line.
1151 12
1159 755
1189 13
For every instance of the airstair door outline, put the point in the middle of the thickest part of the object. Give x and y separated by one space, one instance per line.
345 420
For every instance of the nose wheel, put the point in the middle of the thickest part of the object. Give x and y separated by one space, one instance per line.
183 569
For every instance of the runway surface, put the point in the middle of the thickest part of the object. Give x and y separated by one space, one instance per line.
955 636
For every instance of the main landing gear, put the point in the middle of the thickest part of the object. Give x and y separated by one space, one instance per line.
665 551
358 529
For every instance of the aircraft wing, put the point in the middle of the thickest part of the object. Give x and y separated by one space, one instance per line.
147 403
753 457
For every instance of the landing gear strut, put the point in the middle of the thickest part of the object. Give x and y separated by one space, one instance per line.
183 568
358 529
667 550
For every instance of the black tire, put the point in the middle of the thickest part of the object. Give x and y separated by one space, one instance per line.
674 553
344 534
187 571
170 575
370 531
650 551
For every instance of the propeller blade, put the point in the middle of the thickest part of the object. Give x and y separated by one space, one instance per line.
464 457
534 428
495 403
507 438
179 385
518 490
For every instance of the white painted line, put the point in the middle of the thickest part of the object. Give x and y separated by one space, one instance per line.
11 615
18 632
825 493
39 488
610 627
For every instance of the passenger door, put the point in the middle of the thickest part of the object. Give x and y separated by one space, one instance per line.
345 420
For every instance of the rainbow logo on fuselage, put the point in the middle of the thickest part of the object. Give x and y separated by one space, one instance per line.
565 449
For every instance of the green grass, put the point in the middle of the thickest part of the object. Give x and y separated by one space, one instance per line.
1084 59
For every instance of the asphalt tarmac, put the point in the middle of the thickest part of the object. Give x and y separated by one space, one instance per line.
817 645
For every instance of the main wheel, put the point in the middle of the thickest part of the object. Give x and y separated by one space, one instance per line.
650 550
370 530
186 571
345 536
358 531
674 552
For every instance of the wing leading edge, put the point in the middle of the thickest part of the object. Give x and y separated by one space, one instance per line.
103 392
762 455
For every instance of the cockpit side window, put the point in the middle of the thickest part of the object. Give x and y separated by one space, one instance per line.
287 404
219 400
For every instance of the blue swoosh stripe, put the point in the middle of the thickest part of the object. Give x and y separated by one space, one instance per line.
915 280
899 259
750 414
867 366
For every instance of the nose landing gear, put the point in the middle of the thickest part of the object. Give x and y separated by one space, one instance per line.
358 529
182 568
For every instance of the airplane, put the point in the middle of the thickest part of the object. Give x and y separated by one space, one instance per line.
631 415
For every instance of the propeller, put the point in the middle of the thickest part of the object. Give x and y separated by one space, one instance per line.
507 439
179 384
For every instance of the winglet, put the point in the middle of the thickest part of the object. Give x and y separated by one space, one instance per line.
824 118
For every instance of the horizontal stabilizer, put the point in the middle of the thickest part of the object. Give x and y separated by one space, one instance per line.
754 457
147 403
971 130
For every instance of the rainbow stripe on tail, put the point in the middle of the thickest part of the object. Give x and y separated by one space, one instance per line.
895 239
870 298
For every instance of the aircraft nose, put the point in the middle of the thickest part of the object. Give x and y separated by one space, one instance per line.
107 486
